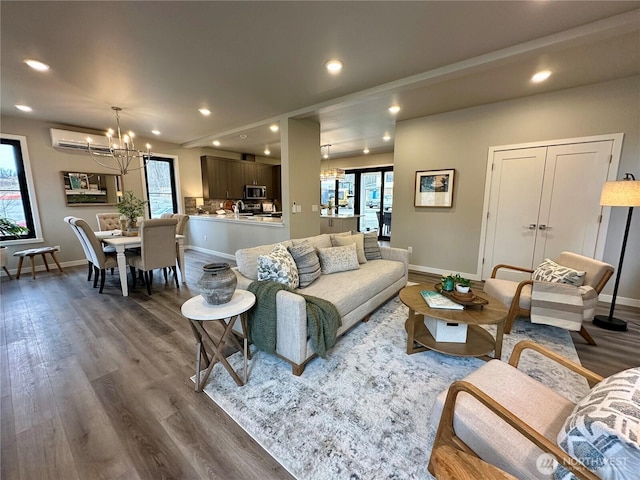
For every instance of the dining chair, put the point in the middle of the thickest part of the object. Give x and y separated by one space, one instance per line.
100 260
180 227
83 244
108 221
158 249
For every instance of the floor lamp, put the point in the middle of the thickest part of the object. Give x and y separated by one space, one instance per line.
623 193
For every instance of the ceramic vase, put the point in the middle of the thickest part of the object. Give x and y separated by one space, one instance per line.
217 283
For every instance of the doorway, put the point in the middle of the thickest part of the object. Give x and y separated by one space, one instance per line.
375 194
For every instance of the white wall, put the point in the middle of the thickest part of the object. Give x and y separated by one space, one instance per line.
449 239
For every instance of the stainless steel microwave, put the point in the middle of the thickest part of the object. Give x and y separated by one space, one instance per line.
255 192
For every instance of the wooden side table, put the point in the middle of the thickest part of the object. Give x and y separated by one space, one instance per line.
198 311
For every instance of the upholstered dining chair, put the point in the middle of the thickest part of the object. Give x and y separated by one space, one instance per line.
100 260
87 253
108 221
180 227
517 295
158 249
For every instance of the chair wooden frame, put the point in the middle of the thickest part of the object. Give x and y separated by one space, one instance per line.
516 311
446 435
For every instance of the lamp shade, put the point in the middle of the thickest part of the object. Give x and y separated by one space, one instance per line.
199 201
622 193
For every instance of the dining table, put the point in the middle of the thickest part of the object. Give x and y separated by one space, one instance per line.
121 243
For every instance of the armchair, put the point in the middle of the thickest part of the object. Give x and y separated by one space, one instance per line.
517 295
507 419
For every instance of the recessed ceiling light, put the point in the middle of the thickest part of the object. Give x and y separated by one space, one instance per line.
36 65
24 108
216 143
205 111
156 132
243 136
541 76
333 66
386 137
274 128
394 109
365 151
267 151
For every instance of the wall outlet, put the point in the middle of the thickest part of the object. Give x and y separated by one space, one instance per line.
57 247
294 208
298 208
205 238
410 249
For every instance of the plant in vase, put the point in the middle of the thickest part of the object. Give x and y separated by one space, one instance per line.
131 207
463 285
448 282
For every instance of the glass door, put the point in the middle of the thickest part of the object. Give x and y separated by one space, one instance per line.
376 201
161 186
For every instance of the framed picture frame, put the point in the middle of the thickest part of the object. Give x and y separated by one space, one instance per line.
79 181
434 188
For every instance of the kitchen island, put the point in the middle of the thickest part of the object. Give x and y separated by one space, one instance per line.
222 235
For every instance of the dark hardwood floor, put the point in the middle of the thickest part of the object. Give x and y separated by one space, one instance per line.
97 386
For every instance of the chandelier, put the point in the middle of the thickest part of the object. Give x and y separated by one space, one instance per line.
121 149
330 173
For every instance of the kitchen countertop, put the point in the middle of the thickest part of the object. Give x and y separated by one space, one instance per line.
242 219
340 216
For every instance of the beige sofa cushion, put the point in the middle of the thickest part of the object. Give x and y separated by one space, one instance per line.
247 258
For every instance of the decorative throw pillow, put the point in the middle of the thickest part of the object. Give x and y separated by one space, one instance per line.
338 259
371 246
603 430
307 262
279 266
550 271
341 240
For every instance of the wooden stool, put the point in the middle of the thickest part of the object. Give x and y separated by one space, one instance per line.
32 253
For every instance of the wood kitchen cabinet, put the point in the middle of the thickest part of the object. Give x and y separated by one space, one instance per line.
331 224
226 178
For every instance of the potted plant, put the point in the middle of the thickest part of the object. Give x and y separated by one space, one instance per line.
131 207
448 282
462 284
9 228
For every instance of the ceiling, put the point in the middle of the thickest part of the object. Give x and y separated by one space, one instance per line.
254 64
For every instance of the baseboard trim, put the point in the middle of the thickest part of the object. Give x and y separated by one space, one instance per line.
211 252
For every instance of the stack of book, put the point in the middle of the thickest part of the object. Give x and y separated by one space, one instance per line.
437 300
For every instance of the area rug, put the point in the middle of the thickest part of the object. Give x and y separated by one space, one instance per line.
365 411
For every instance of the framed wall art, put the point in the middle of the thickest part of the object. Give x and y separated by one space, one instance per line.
434 188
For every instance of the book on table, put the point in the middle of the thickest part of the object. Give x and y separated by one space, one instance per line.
437 300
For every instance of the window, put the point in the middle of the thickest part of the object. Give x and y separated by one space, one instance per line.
17 193
161 186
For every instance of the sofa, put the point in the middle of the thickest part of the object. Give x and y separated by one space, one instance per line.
356 293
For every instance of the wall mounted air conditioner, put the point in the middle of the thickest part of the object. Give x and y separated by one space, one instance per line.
67 140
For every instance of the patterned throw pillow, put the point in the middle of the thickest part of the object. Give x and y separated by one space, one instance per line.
338 259
307 262
371 246
603 430
357 238
279 266
550 271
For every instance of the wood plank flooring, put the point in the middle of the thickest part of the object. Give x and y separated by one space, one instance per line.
97 386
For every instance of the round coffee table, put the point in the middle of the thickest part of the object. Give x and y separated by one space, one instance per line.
479 341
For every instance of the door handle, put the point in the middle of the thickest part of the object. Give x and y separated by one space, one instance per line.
544 227
531 226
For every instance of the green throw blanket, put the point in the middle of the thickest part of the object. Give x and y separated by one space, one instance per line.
323 319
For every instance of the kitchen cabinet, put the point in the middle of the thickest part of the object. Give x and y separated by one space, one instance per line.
331 224
225 178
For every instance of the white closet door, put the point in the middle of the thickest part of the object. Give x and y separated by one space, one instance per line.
570 202
514 204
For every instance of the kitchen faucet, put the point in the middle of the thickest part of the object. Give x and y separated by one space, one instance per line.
236 207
